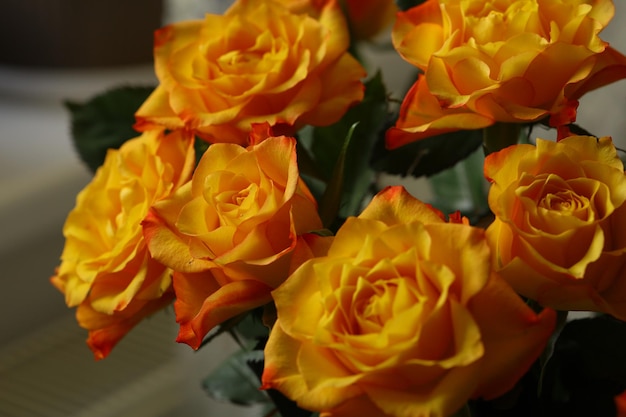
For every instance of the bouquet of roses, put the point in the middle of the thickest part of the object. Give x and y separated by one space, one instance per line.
249 199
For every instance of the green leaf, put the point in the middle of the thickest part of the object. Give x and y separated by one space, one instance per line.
234 381
105 121
227 326
251 327
200 146
326 145
427 156
245 328
462 187
587 368
331 200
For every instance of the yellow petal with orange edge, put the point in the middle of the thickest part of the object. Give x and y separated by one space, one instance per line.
502 167
110 293
171 38
394 205
169 247
156 112
277 159
357 407
333 21
296 303
280 370
418 33
609 66
106 330
328 381
422 116
441 399
340 87
513 342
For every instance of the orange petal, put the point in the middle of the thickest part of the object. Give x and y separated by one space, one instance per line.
156 113
105 330
341 87
280 371
422 116
167 247
418 33
609 66
201 304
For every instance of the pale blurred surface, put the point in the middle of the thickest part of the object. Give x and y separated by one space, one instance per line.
41 348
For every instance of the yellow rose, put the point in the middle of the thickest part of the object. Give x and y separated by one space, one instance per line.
105 268
500 61
558 236
256 63
402 317
230 232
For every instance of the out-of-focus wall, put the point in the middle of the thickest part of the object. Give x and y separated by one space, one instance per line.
603 112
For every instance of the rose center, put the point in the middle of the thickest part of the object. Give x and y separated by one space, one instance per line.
236 201
567 203
378 307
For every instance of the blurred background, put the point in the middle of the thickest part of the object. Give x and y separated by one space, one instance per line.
55 50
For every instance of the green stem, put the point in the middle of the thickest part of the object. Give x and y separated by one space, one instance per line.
500 135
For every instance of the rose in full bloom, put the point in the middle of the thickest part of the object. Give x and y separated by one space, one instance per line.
106 270
230 232
560 216
402 317
367 18
500 61
256 63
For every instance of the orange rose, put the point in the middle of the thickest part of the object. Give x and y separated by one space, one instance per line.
106 269
500 61
558 236
402 317
256 63
230 232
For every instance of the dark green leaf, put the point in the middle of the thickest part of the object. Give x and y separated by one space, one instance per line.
244 328
427 156
579 130
251 327
200 146
227 326
106 121
573 127
407 4
462 187
234 381
331 200
326 147
586 370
